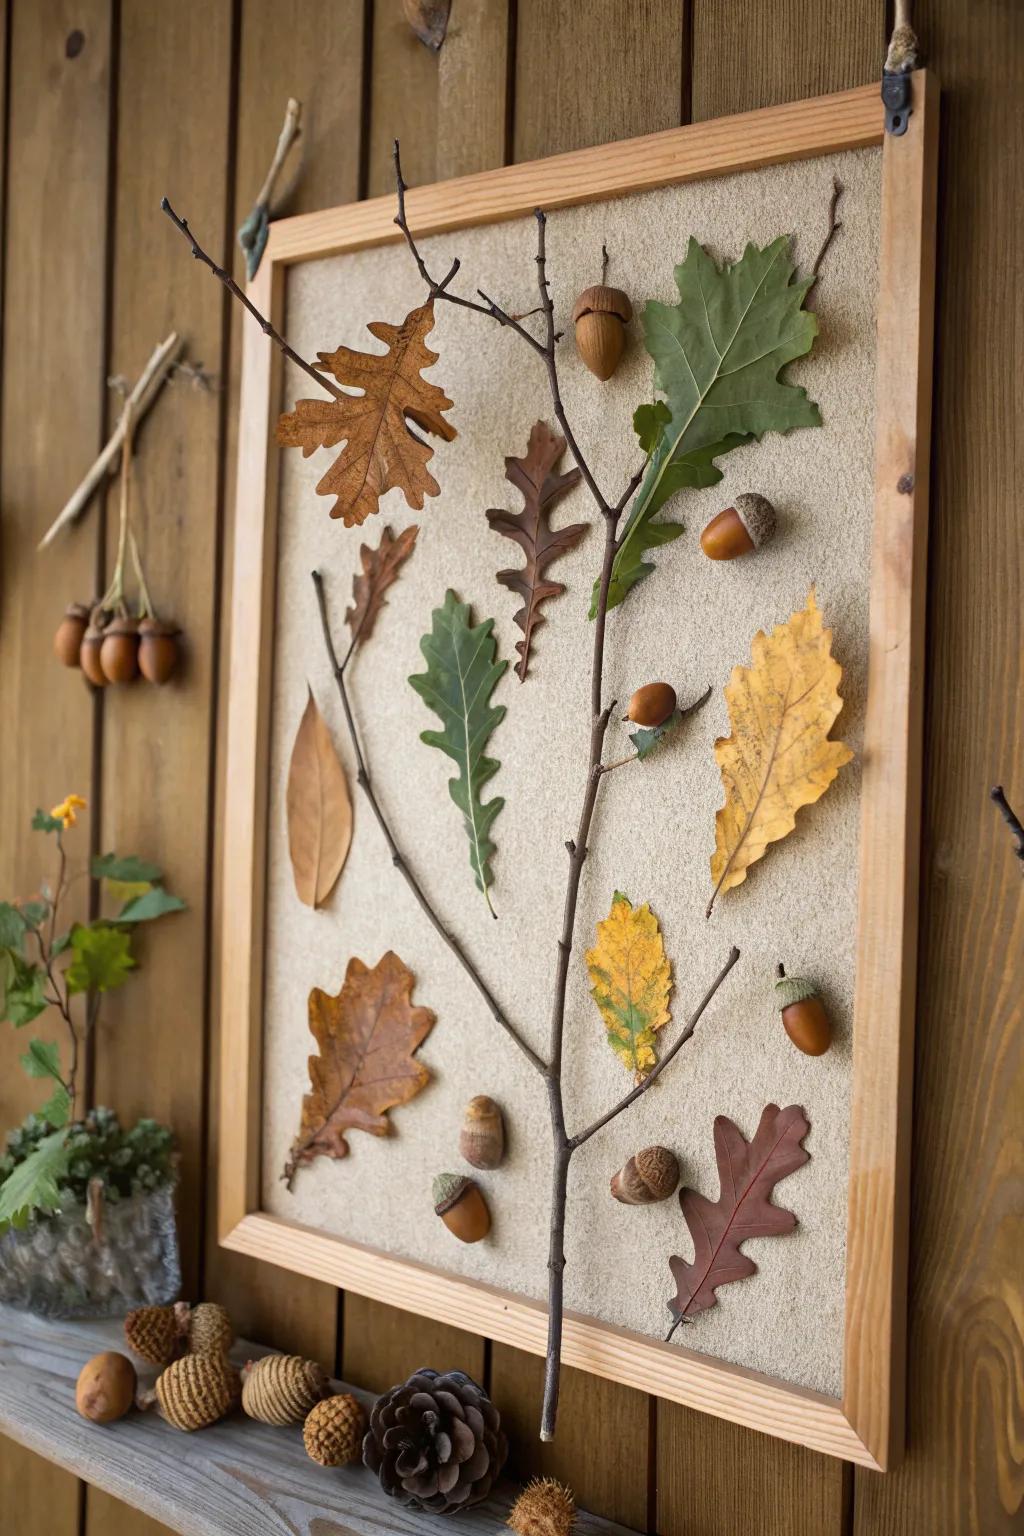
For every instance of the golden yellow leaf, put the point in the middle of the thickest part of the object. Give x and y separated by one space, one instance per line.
778 757
631 979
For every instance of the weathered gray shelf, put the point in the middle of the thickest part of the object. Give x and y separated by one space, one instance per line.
238 1478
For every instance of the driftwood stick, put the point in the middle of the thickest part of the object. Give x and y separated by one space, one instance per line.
252 235
141 397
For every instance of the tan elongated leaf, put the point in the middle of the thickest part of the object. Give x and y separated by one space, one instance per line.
380 568
778 757
367 1037
319 809
381 453
630 981
535 479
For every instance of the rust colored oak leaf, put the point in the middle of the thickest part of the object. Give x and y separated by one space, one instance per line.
534 477
367 1037
381 453
380 568
747 1173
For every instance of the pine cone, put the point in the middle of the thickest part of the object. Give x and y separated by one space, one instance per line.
152 1334
436 1442
334 1429
209 1329
281 1389
197 1390
544 1508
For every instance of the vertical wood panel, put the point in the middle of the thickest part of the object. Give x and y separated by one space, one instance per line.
55 280
383 1346
964 1471
756 53
310 49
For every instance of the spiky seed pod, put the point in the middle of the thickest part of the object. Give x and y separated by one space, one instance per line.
197 1390
544 1508
650 1175
334 1429
281 1389
152 1334
436 1442
209 1329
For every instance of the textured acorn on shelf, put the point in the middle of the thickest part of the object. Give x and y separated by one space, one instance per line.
461 1206
652 704
209 1329
334 1429
281 1389
195 1391
651 1174
482 1138
544 1508
600 316
153 1334
105 1389
436 1442
739 529
803 1014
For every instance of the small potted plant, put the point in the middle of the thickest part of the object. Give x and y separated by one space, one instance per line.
86 1207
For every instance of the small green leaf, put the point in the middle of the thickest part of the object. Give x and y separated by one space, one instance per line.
649 423
32 1185
42 1059
25 999
461 676
12 926
156 902
35 912
42 821
108 866
101 958
648 737
57 1109
124 891
60 944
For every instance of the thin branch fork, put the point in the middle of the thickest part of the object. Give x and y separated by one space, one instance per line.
137 403
998 796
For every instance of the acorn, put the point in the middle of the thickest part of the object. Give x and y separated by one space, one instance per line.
281 1389
650 1175
334 1429
105 1389
544 1508
67 642
600 316
803 1014
89 654
153 1334
209 1330
195 1391
462 1207
158 649
740 529
652 704
482 1138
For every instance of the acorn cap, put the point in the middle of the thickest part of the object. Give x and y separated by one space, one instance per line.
447 1190
77 611
154 626
757 515
794 989
122 625
600 300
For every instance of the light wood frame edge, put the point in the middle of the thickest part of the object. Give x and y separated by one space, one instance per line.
866 1427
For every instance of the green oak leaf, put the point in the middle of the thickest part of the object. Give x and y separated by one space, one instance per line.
56 1111
154 902
12 926
649 423
461 676
130 870
33 1184
25 997
101 958
717 357
42 1059
35 913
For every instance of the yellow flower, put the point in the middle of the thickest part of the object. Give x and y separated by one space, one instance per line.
67 811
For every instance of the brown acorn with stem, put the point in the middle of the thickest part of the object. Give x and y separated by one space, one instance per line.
600 316
739 529
803 1013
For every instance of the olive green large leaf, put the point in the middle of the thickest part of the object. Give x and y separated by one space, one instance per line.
461 676
717 357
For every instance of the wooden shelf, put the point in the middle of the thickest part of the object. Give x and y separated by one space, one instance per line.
238 1478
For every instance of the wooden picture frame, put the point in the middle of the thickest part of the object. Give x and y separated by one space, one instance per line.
866 1425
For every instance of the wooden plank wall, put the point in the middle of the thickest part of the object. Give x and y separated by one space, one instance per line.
109 103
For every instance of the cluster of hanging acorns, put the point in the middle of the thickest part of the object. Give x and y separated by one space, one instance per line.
113 647
435 1442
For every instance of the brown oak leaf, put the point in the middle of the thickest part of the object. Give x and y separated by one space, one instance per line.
367 1036
319 809
380 568
533 476
747 1172
381 452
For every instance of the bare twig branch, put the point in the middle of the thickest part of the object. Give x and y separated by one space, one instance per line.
261 320
397 858
1012 821
834 226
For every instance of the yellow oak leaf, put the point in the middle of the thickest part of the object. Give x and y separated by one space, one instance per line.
778 757
631 979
